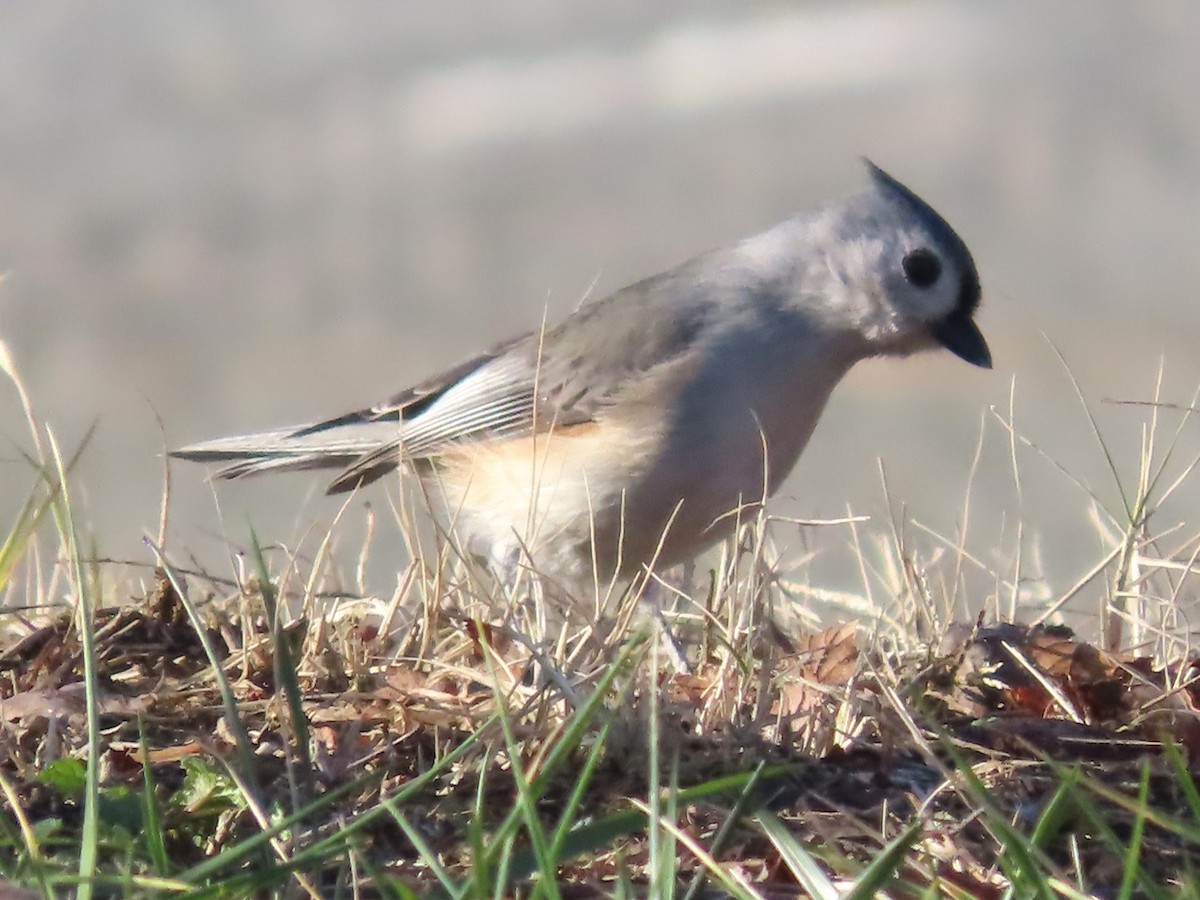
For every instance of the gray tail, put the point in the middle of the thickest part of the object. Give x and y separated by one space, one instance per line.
290 450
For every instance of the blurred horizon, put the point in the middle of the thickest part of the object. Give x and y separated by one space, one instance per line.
229 217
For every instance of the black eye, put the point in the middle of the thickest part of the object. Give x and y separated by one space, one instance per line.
921 268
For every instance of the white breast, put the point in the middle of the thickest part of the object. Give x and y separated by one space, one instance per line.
656 477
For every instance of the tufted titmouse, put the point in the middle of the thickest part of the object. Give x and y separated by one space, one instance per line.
627 434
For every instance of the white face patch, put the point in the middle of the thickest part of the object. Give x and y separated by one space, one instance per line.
932 301
858 284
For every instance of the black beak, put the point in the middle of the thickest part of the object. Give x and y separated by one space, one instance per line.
959 334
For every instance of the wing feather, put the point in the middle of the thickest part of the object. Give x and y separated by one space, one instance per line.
533 382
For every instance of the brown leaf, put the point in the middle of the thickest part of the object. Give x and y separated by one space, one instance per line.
1043 671
824 659
689 688
176 753
49 703
829 657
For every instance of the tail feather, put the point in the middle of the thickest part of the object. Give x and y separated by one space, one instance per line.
262 464
242 446
289 449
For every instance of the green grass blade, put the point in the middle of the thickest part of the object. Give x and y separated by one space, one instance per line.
1131 873
567 744
802 864
431 858
736 812
229 701
339 840
883 868
567 819
90 835
1057 811
605 831
480 872
153 836
526 799
1183 776
285 667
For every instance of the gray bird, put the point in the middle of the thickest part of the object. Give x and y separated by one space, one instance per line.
628 434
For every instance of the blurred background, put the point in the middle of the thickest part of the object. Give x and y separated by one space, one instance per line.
230 216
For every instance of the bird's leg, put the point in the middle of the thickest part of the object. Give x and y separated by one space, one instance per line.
654 596
504 561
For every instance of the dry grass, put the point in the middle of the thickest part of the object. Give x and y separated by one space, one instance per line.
260 736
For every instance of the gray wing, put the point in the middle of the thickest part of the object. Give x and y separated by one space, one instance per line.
566 376
332 443
531 383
